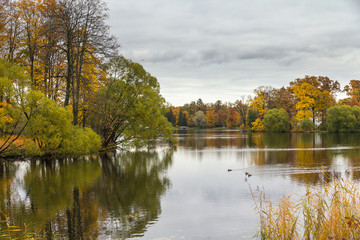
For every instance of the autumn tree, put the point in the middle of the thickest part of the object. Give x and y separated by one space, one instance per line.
85 39
353 91
285 99
233 118
242 108
314 95
211 118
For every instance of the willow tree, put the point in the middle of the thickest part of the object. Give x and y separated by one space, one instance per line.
129 108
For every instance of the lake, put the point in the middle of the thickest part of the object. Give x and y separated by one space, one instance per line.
182 193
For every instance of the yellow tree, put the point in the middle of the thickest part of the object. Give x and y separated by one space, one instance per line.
353 91
314 95
305 105
261 103
211 118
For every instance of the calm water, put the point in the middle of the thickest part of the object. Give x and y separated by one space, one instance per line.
186 193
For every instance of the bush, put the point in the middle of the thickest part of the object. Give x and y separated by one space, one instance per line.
307 125
277 120
250 117
341 119
50 131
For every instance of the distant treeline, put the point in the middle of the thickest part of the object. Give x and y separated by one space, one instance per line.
306 104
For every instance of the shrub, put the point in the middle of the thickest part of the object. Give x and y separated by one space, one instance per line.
341 119
277 120
51 132
307 125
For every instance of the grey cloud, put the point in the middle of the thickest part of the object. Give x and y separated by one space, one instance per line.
201 47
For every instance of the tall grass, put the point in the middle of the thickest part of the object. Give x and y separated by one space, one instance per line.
14 232
330 211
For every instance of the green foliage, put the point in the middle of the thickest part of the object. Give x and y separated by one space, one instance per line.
342 119
129 109
52 132
182 119
250 117
277 120
199 119
170 116
307 125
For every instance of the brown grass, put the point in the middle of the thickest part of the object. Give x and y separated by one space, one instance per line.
329 211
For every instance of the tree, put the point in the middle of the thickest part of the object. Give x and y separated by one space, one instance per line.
211 118
277 120
242 108
85 39
129 109
314 95
199 119
170 116
51 131
233 118
15 113
306 125
305 105
251 117
285 99
182 119
353 91
341 119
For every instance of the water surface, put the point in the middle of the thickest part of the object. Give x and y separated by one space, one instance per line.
187 193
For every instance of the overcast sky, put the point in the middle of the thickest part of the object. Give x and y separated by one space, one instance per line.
224 49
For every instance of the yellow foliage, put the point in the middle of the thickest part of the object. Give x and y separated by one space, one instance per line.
4 114
258 104
258 125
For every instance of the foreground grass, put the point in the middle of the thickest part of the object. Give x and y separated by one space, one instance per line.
330 211
14 232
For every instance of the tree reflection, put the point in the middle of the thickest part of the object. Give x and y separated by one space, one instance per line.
135 182
116 196
303 153
54 186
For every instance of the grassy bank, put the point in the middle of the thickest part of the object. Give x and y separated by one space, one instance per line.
329 211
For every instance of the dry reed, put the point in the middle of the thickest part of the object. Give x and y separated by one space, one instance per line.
330 211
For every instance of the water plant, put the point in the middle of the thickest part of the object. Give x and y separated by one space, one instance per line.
328 211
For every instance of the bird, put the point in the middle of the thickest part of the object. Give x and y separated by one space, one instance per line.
229 170
247 174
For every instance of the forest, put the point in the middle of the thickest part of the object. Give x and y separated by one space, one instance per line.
308 103
64 87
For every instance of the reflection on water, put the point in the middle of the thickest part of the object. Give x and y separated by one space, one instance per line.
114 196
302 156
167 194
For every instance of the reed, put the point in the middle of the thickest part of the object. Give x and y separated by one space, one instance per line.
10 232
330 211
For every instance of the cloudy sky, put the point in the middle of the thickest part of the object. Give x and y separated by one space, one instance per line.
222 50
